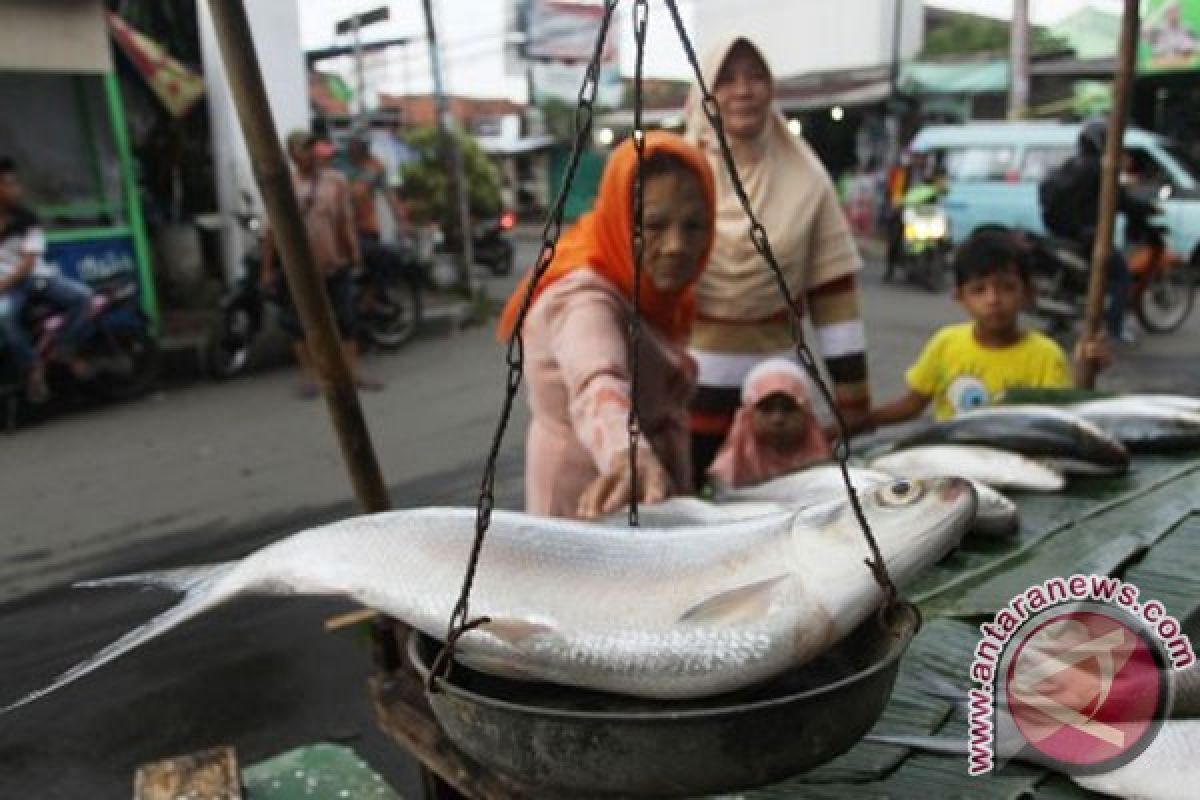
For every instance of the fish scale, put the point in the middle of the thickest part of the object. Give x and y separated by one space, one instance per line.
658 613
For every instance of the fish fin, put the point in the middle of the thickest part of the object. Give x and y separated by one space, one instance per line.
499 667
201 596
517 632
179 580
740 605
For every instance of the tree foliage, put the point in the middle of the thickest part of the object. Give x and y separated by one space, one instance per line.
427 186
965 34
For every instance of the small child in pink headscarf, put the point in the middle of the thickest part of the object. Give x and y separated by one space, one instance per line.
774 430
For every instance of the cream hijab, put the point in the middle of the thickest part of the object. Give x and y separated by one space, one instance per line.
791 195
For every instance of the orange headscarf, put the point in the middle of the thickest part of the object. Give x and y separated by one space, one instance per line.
601 240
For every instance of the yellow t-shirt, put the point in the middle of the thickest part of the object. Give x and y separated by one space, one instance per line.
960 374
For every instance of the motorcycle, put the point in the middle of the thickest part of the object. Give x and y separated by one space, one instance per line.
492 243
1161 292
121 356
387 301
925 252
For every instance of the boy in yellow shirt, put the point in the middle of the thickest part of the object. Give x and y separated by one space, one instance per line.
968 365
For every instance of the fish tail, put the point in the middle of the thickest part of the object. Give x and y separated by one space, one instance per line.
203 592
183 579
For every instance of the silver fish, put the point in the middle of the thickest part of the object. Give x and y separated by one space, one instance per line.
999 469
1180 402
996 515
1168 769
1052 434
806 486
675 512
686 612
1143 426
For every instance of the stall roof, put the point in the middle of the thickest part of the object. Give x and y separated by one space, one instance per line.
60 36
504 146
974 77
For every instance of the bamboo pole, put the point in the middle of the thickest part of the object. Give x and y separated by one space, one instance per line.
305 283
1102 247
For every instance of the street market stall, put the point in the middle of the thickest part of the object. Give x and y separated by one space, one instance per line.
65 127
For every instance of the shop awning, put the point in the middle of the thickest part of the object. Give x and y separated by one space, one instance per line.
969 78
60 36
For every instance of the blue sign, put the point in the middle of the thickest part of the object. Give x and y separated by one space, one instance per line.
103 264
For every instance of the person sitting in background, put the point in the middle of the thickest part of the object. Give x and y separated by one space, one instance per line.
25 275
774 431
966 366
576 341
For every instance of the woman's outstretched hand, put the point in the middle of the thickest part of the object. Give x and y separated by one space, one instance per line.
612 491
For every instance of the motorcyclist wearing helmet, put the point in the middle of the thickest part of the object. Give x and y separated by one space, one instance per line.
1070 199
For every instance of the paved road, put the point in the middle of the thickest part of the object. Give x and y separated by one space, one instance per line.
209 472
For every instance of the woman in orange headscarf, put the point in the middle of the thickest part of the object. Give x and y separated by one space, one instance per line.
576 337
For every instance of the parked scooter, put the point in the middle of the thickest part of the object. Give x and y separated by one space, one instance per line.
387 303
1162 290
122 357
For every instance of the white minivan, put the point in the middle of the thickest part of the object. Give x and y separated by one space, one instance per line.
993 170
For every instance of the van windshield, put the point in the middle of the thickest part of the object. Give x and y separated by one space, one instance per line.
1186 165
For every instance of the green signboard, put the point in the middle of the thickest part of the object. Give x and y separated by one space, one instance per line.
1169 36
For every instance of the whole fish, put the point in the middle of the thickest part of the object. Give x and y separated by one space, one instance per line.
1143 426
1181 402
999 469
996 515
685 612
804 486
1051 434
675 512
1168 769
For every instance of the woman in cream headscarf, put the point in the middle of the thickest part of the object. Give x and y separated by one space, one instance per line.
741 316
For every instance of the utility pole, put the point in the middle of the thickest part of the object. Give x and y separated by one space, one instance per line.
352 25
452 159
1102 248
1018 50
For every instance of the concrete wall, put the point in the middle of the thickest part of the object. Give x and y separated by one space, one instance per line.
275 26
61 36
799 36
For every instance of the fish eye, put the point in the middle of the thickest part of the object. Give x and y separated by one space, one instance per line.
901 493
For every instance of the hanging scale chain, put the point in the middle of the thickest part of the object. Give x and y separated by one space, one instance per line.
460 619
758 236
640 16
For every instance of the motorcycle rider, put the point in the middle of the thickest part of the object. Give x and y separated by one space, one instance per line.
25 275
1070 201
924 184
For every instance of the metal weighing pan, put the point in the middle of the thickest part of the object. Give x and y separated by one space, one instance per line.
559 741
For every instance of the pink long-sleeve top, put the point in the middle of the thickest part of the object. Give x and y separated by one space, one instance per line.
577 368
